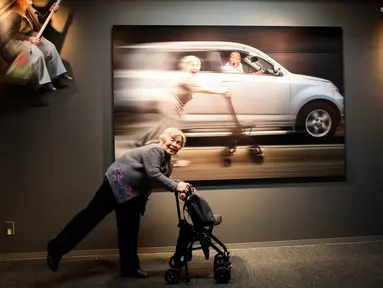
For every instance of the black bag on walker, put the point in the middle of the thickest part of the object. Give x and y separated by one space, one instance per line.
199 210
201 216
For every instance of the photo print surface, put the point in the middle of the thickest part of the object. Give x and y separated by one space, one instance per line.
30 47
257 104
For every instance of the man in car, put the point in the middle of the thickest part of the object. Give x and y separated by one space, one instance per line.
234 65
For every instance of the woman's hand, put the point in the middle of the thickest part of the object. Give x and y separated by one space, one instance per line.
54 8
226 93
34 40
182 186
259 72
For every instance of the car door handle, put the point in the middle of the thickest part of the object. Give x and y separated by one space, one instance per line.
228 81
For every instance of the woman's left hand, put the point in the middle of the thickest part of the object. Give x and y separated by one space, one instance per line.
182 186
54 8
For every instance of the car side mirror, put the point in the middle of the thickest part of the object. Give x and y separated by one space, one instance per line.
276 69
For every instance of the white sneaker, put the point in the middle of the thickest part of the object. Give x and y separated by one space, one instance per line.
181 163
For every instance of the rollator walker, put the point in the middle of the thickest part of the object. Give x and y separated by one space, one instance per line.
203 222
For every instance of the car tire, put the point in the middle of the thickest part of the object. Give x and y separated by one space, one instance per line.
317 120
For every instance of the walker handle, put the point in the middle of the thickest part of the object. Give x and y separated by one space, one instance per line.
183 195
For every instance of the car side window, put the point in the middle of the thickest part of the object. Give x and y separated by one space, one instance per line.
225 58
247 67
261 65
249 64
260 62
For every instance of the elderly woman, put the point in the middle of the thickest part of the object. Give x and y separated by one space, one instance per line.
182 93
125 189
20 24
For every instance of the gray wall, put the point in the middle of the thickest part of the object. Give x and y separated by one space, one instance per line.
53 157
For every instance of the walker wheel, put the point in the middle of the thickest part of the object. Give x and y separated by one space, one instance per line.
255 151
225 153
228 151
218 259
256 154
232 149
222 275
227 162
172 276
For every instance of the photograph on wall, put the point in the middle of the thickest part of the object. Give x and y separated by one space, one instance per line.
30 61
257 104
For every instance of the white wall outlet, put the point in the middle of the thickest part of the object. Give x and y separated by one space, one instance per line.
9 228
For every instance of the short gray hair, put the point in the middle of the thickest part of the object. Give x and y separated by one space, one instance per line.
171 132
182 64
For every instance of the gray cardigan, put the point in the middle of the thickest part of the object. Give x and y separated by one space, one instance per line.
139 170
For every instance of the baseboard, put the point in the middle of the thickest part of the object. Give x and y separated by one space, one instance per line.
170 249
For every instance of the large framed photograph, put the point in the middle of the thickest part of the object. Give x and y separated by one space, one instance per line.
257 104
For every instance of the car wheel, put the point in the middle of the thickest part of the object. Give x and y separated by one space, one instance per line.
317 120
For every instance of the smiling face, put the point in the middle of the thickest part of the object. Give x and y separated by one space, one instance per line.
173 144
190 64
194 67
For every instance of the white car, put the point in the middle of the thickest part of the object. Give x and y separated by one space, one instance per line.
275 102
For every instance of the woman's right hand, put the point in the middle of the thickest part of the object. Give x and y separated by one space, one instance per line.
54 8
226 93
182 186
34 40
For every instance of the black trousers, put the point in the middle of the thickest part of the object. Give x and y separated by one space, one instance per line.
128 216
